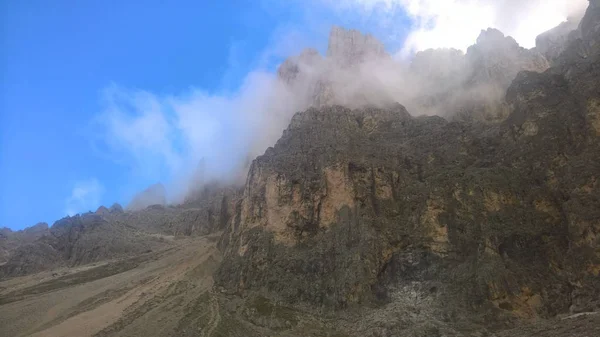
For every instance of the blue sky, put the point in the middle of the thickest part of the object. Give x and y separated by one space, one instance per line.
59 57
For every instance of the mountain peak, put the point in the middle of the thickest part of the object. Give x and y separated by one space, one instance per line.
116 208
493 38
102 210
292 67
351 47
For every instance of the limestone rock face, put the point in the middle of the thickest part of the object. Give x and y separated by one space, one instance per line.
341 77
554 42
473 85
302 65
373 207
583 51
497 59
348 48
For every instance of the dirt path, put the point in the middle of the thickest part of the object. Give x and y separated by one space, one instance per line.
215 316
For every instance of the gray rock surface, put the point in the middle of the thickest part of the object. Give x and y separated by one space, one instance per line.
554 42
349 48
471 86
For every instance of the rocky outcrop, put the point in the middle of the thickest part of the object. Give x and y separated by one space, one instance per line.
496 59
78 240
341 76
443 65
351 48
116 208
372 207
303 65
113 233
102 211
471 86
554 42
206 211
10 240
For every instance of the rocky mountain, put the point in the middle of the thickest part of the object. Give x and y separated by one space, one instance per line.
553 43
77 240
368 217
10 240
207 211
109 234
350 48
464 223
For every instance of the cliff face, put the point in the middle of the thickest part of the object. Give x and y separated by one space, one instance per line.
343 76
473 85
350 48
497 59
371 206
553 43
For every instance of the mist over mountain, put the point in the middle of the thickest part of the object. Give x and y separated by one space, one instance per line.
354 70
361 193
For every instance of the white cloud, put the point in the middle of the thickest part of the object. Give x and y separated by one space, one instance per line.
84 197
138 129
165 137
457 23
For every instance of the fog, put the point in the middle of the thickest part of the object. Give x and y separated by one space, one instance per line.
187 139
170 136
